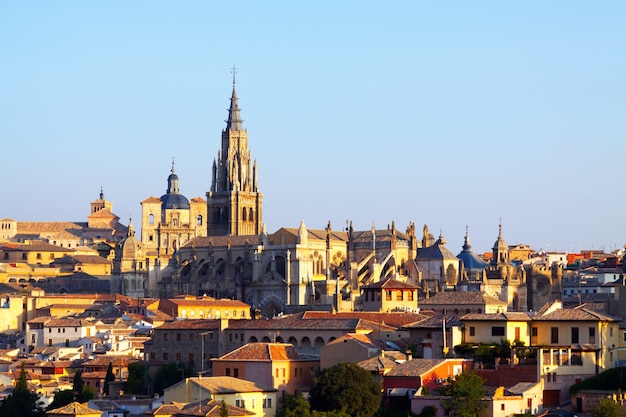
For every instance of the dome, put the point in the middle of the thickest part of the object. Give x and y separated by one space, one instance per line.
174 201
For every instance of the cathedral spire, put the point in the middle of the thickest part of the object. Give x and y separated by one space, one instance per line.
234 121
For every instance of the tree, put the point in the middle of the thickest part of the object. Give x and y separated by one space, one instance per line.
348 387
466 395
608 408
135 380
78 383
61 399
223 410
170 374
23 402
109 377
294 406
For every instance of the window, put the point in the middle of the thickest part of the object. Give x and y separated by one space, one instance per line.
410 296
388 295
240 403
472 331
534 332
576 358
192 359
191 337
227 371
178 357
236 374
592 335
165 337
497 331
152 355
166 356
178 338
554 335
399 296
574 334
267 403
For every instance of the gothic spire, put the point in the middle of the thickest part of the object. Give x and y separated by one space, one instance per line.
234 121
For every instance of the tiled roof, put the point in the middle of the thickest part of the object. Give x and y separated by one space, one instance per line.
262 352
222 241
295 322
82 259
434 322
211 408
33 246
390 319
69 322
414 367
190 324
506 316
390 283
378 364
74 409
574 314
460 298
209 302
227 385
167 410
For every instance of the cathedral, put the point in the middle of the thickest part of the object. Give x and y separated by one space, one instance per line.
219 247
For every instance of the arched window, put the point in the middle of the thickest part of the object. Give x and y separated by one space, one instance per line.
199 220
243 214
251 215
151 219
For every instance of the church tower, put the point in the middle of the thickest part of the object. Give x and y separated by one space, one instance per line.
234 204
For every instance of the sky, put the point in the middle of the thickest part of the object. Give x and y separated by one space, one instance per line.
458 115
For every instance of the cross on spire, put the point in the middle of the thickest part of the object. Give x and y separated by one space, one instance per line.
233 71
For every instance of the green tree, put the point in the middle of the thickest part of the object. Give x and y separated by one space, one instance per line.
135 380
466 395
294 406
61 398
23 402
608 408
170 374
223 410
348 387
109 377
78 383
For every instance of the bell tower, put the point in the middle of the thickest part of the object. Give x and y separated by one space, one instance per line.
235 205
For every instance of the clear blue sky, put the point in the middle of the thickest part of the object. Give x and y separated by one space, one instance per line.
447 113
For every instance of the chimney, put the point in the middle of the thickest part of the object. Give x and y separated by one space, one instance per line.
409 355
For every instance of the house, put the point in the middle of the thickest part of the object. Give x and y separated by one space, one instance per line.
94 371
275 365
434 336
50 331
573 344
190 341
406 377
190 307
306 334
495 327
458 303
259 401
351 347
389 295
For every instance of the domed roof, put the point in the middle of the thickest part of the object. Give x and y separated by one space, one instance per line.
470 260
173 199
130 247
